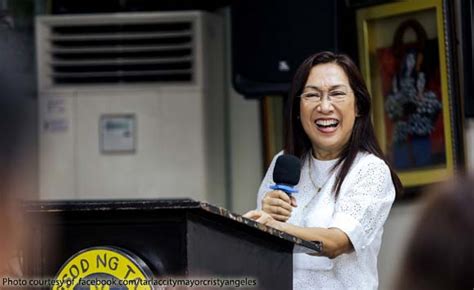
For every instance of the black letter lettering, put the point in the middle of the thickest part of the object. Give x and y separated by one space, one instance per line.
113 263
84 265
128 272
75 269
103 262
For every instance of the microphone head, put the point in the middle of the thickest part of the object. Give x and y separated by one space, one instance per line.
287 170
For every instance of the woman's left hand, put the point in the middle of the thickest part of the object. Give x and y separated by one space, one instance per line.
264 218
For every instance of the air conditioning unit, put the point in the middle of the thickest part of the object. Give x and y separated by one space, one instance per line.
131 106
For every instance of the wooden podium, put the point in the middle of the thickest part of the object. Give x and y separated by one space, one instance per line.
164 238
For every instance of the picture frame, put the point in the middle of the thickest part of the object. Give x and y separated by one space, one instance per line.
272 127
405 57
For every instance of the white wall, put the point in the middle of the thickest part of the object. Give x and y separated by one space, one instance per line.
469 144
246 154
397 231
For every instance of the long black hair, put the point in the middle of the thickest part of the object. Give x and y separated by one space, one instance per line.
363 136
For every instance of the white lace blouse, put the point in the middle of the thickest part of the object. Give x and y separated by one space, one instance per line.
361 209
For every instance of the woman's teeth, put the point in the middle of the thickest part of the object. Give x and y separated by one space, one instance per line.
327 123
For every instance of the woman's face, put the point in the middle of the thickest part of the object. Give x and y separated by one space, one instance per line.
421 82
328 123
410 62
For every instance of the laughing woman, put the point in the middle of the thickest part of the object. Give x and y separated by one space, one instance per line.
346 187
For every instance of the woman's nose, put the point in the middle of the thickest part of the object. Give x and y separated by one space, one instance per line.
325 106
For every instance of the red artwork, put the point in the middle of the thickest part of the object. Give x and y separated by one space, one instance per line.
411 86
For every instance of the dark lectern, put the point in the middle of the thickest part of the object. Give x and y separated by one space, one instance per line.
178 238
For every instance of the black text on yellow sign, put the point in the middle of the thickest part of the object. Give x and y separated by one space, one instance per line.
102 269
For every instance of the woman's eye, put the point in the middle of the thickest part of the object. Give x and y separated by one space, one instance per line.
312 95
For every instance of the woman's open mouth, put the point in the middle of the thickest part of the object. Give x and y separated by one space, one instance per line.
327 125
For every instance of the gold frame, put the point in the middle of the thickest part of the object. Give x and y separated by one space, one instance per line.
367 45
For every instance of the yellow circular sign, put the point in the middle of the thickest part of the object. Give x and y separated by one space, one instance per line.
103 268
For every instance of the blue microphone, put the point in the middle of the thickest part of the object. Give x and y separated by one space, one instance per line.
286 173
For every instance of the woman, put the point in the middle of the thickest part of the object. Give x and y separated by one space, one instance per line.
346 187
413 110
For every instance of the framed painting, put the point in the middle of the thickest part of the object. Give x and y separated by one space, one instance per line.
405 58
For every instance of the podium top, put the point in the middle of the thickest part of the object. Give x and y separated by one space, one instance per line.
63 206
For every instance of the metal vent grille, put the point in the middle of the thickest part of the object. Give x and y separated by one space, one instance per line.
121 53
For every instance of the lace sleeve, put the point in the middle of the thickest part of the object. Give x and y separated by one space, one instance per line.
267 181
364 201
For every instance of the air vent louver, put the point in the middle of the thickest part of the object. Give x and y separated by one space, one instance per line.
121 53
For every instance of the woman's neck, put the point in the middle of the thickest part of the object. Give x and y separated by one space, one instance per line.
325 155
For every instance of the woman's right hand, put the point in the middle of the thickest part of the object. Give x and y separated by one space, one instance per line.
278 204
